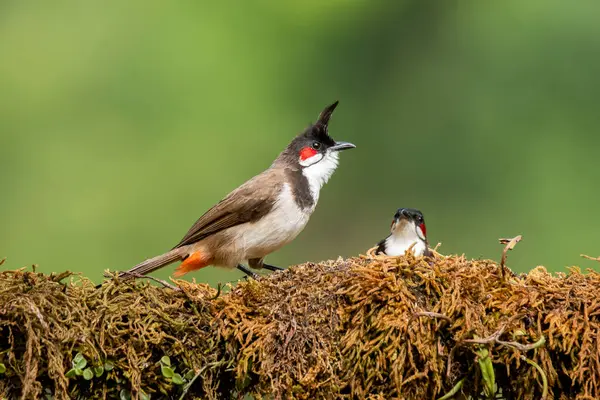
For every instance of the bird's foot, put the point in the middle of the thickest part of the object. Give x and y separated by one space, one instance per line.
248 272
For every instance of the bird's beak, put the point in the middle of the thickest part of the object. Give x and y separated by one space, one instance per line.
338 146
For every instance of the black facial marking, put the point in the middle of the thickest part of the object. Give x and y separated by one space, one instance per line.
300 188
381 247
315 136
411 214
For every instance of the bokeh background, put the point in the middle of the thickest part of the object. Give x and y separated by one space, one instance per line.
122 122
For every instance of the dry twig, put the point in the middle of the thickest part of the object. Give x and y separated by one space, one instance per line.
584 256
510 244
157 280
432 315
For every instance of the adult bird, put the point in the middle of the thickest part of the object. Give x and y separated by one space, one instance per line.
263 214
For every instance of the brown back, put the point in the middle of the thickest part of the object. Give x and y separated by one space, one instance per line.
248 203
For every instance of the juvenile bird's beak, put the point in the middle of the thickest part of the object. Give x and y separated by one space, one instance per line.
338 146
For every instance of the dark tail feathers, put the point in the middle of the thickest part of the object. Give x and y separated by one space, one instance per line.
152 264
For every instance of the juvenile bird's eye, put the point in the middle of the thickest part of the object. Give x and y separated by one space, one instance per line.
316 145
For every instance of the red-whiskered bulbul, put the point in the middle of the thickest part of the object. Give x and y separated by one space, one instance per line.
262 215
408 229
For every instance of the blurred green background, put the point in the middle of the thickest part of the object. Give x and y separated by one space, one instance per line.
122 122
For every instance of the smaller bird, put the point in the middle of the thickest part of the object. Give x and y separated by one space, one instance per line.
408 229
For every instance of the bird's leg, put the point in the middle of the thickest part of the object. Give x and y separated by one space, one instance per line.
258 263
272 267
247 271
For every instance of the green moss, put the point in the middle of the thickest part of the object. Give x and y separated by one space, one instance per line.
365 327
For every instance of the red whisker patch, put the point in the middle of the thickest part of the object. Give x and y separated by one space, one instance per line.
307 152
423 229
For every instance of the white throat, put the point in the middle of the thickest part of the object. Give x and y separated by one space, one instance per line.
319 172
402 238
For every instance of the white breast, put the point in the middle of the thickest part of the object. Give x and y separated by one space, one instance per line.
398 246
397 243
279 227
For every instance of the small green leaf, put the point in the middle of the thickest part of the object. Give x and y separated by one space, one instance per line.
88 374
78 372
71 373
167 372
124 394
144 395
79 361
2 368
487 372
189 375
165 360
98 371
108 365
455 389
177 379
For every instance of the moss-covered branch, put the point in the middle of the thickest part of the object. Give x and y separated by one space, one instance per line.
365 327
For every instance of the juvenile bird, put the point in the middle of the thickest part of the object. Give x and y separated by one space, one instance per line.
263 214
408 228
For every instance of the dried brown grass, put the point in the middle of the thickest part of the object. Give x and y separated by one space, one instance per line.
363 327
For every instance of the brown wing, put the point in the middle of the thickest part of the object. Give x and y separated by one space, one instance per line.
248 202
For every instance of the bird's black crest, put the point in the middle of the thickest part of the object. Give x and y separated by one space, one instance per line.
315 132
320 129
326 114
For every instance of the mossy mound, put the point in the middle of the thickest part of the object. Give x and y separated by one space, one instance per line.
365 327
122 331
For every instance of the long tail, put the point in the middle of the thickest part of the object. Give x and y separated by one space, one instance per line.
152 264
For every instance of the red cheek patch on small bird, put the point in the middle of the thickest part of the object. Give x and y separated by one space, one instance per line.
423 229
307 152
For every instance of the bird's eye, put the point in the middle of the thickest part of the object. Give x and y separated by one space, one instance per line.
316 145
